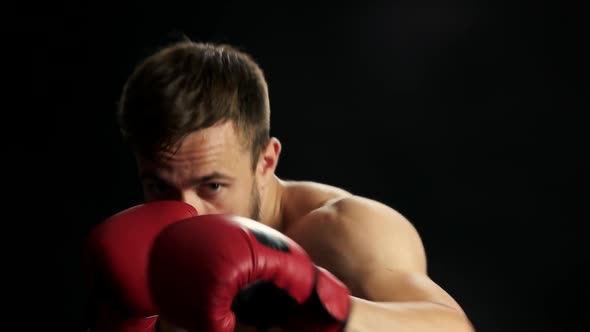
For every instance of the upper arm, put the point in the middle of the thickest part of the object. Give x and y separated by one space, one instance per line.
372 248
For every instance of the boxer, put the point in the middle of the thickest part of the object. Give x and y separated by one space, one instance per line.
197 116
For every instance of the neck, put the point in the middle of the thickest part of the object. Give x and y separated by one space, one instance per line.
272 209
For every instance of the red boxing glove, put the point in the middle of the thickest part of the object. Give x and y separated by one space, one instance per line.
116 261
207 270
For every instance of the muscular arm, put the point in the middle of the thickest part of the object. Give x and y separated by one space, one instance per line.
380 256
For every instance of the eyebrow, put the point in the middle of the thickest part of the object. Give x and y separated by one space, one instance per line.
147 175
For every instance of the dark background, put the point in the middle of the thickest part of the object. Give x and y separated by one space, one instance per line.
466 118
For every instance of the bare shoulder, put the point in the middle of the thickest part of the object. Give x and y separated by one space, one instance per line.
355 235
372 248
302 197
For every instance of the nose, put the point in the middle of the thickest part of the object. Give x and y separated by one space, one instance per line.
193 200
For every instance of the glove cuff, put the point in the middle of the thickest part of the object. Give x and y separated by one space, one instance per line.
105 318
327 309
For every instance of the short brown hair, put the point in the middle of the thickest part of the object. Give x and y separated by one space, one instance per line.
187 86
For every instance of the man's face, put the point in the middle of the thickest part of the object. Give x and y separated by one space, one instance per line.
210 170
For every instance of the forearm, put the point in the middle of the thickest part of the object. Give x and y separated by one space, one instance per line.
405 316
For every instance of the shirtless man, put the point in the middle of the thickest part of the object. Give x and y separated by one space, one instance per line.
197 116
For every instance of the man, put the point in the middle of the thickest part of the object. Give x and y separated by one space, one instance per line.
197 116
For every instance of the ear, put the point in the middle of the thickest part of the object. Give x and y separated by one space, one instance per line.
269 159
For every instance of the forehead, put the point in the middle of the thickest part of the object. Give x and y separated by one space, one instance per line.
213 147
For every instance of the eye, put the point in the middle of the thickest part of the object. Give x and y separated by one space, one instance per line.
156 188
214 186
210 189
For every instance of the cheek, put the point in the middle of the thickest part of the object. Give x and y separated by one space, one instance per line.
242 199
237 200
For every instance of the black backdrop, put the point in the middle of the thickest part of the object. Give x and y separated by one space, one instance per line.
465 117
